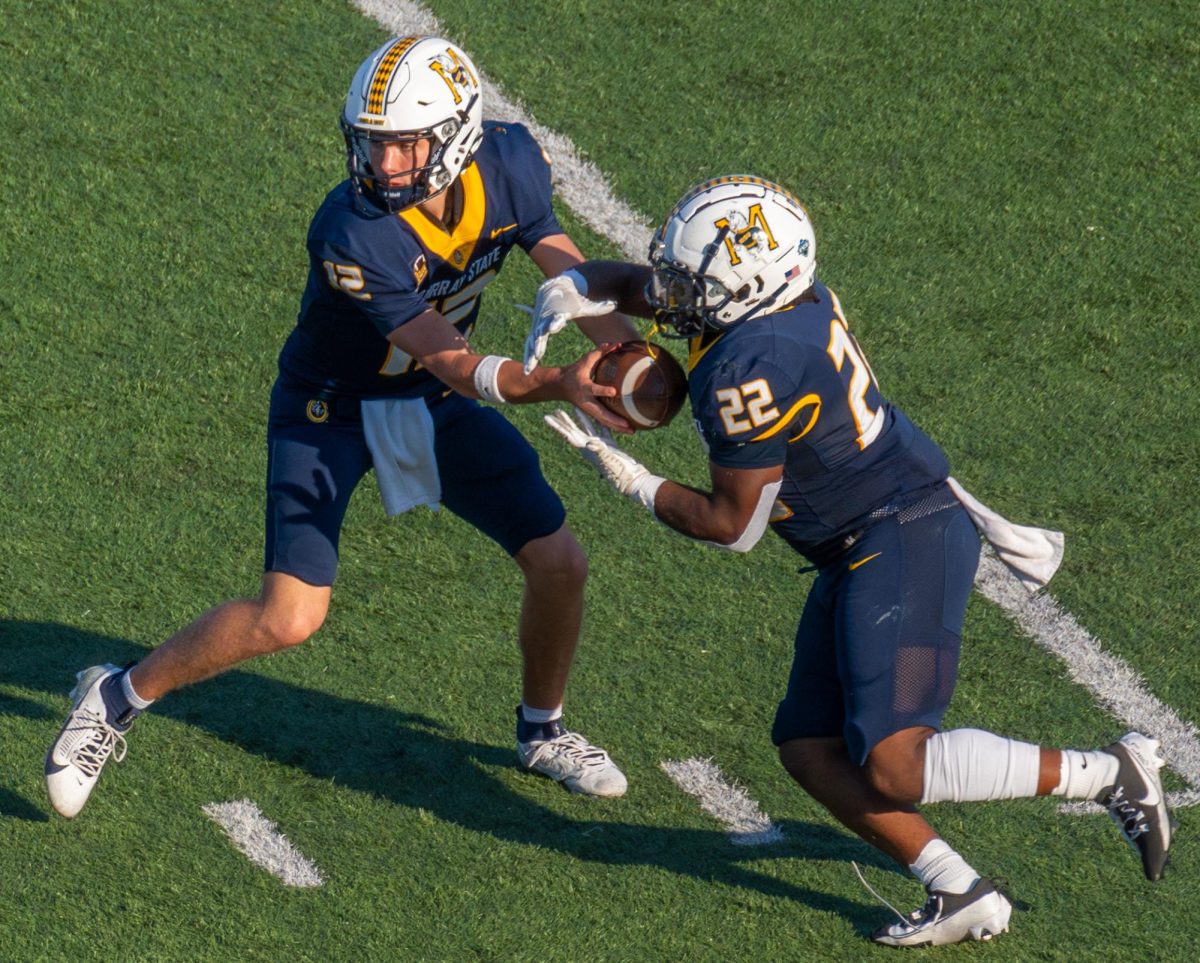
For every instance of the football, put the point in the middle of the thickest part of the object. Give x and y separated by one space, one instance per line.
651 383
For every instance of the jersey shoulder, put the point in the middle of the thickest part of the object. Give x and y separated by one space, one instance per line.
741 386
511 159
511 144
343 229
753 381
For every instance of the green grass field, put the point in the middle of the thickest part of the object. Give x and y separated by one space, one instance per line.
1007 200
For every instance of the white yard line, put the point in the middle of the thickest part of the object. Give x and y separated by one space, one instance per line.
1114 684
729 804
257 837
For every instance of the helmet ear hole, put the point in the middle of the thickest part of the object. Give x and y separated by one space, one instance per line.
744 291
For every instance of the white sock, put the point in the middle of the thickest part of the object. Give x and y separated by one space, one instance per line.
969 765
538 716
1082 775
942 870
131 695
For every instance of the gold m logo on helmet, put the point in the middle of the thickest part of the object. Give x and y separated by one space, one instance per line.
456 73
746 236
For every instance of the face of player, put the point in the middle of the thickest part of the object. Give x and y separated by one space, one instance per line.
399 162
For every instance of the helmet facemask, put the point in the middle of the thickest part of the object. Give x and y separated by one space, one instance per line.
402 189
682 299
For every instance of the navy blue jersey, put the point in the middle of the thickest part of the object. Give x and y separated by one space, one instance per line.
794 389
369 272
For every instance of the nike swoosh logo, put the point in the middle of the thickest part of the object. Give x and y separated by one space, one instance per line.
500 230
862 561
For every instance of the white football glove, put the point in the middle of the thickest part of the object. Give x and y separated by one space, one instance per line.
559 300
624 472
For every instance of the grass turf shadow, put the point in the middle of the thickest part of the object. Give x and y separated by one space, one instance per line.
415 761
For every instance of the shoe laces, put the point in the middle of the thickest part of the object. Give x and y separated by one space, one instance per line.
98 743
913 919
1131 818
572 746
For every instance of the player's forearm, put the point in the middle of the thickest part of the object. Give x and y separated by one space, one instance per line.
620 282
697 514
541 384
608 329
495 379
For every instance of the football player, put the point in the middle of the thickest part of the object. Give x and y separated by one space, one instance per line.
379 373
800 439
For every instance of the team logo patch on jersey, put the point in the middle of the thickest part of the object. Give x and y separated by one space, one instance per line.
420 269
317 411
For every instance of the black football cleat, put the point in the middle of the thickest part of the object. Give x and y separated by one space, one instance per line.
1137 803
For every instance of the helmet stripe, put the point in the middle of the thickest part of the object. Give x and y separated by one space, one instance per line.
384 73
730 179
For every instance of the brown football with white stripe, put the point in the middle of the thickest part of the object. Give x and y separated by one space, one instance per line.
652 385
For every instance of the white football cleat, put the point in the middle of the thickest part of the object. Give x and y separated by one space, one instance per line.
83 746
978 914
570 759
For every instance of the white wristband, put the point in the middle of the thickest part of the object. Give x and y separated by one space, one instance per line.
487 379
645 489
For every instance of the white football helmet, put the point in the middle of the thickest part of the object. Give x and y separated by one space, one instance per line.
411 90
733 247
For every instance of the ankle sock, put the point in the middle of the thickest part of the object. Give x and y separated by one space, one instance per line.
538 724
1083 775
942 870
122 704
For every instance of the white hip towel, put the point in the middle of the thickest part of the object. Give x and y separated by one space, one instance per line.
399 432
1033 554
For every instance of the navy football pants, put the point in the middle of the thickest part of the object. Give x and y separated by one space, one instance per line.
878 643
490 477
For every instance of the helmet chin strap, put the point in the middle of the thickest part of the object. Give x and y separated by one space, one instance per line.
711 250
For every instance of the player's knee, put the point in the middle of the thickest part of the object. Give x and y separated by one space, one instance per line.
886 781
556 561
896 773
574 570
282 629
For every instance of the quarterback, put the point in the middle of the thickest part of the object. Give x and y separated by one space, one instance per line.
801 440
379 374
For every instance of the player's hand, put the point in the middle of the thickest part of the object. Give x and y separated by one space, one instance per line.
585 394
620 469
558 301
